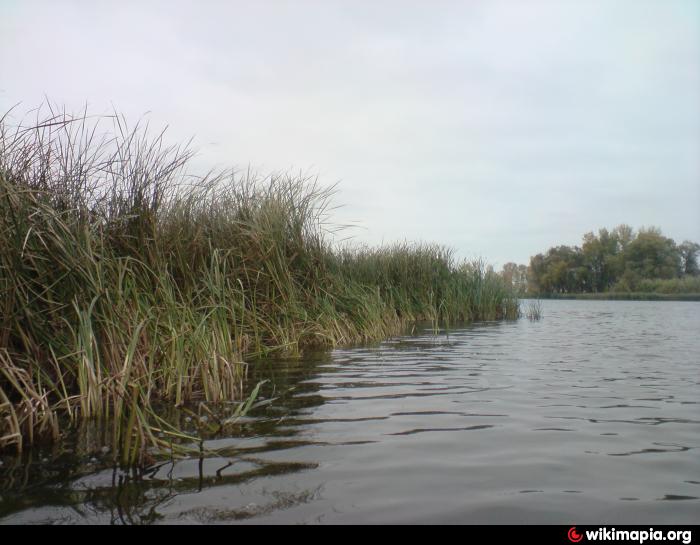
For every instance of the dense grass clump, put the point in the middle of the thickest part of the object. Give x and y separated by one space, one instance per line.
125 282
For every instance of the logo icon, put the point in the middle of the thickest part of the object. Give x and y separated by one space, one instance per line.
574 536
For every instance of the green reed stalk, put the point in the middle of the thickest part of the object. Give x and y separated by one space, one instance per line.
126 283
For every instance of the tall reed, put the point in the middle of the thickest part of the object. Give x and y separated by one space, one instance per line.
125 282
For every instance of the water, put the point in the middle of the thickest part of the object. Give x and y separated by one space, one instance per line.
589 416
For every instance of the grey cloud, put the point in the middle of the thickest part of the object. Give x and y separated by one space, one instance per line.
498 127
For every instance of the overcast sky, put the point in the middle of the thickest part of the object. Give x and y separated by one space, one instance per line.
500 128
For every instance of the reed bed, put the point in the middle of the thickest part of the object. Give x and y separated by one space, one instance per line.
126 283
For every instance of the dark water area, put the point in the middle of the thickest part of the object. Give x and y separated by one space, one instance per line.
588 416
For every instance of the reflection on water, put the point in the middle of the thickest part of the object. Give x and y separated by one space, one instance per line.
590 415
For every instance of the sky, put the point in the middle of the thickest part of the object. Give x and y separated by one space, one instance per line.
499 128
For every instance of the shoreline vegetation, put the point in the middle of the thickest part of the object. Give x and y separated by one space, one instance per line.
624 296
127 284
620 264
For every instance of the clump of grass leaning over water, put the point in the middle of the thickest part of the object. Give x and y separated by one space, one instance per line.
533 311
126 283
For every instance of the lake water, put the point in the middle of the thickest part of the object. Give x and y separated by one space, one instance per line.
588 416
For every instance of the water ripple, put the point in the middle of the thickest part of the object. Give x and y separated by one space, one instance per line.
589 415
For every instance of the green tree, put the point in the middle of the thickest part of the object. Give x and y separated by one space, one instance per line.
624 234
689 257
619 259
652 255
523 278
516 276
601 257
560 270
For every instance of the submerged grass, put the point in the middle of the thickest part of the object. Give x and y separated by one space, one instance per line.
533 311
126 283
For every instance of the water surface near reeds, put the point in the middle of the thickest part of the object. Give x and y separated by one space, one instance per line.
590 415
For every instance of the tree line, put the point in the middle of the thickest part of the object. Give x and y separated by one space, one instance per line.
619 260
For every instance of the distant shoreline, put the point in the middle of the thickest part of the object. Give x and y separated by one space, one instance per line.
623 296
